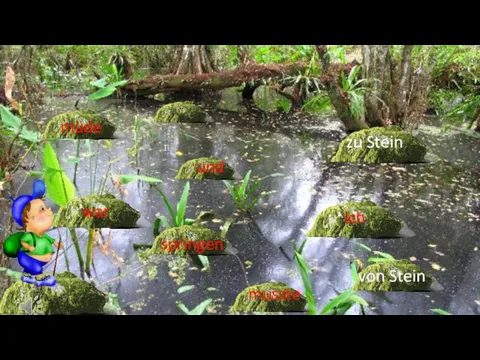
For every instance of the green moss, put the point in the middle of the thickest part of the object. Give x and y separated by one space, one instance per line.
54 131
252 299
120 214
411 151
390 278
71 296
189 170
180 112
196 233
379 223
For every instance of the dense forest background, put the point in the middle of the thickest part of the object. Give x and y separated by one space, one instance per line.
363 85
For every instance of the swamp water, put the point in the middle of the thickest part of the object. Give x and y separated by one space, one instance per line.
439 201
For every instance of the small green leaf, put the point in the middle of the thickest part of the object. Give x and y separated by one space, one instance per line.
100 83
440 312
185 288
200 308
353 270
183 308
125 179
384 255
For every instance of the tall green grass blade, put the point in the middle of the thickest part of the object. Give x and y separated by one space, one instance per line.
354 272
182 206
307 284
243 187
167 203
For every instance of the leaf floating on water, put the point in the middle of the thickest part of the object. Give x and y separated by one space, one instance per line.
432 245
413 258
217 221
278 206
253 160
178 153
185 288
435 266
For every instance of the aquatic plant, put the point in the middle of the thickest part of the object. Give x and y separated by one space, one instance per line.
339 305
108 84
243 194
178 217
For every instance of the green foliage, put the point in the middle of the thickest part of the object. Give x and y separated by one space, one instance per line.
282 53
14 124
355 91
59 187
318 104
305 272
198 310
177 218
125 179
108 84
440 312
185 288
243 194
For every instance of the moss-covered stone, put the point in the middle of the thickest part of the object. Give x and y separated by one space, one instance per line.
189 170
119 214
71 296
393 275
180 112
80 117
360 147
192 239
379 223
269 297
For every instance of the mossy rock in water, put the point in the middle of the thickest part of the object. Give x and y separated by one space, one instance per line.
189 170
361 146
259 298
192 239
71 296
180 112
379 223
82 118
118 215
393 275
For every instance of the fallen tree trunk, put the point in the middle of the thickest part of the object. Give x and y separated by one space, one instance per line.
253 74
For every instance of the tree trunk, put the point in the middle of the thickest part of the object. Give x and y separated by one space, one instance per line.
477 118
403 86
244 54
374 70
252 74
191 59
337 96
